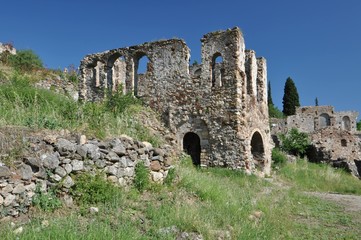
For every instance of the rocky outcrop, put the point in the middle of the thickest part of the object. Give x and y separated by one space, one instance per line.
55 160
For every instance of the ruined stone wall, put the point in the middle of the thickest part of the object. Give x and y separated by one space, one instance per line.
222 100
7 48
310 119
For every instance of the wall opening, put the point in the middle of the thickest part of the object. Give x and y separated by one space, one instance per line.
116 72
257 150
217 70
141 68
343 143
324 120
346 123
192 146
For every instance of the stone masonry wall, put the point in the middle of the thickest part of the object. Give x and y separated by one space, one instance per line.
223 100
55 160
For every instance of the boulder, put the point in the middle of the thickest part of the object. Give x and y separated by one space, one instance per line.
4 171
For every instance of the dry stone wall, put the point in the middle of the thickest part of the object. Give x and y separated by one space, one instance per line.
54 161
217 109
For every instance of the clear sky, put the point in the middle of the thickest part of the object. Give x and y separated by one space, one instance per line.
315 42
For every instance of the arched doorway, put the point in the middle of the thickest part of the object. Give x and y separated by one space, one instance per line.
192 146
257 150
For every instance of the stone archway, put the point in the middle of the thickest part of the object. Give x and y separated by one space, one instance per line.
257 150
192 146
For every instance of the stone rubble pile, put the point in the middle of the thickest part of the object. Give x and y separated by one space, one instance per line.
55 161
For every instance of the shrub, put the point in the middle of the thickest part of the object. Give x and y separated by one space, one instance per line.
278 157
295 142
46 201
141 179
90 189
25 60
117 102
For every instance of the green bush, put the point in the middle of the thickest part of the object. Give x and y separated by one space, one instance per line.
117 102
46 201
25 60
141 179
295 142
278 157
90 189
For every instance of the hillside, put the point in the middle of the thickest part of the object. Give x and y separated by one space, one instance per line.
188 203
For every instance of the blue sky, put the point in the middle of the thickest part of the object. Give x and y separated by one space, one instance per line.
315 42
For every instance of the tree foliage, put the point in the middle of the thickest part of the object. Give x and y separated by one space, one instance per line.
358 125
269 99
295 142
274 112
290 98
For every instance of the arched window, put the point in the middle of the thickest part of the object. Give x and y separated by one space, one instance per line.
116 72
141 68
217 70
346 123
324 120
192 146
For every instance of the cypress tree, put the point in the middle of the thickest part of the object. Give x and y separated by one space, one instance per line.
316 101
290 98
270 101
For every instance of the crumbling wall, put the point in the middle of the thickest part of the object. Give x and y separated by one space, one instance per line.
210 99
313 118
7 47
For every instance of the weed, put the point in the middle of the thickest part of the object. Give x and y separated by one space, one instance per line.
90 189
279 158
170 177
46 201
141 178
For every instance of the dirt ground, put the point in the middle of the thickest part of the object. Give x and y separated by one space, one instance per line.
351 203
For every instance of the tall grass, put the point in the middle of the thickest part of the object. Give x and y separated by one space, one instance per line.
24 105
320 177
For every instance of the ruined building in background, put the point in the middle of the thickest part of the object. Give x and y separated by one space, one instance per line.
7 47
333 135
217 109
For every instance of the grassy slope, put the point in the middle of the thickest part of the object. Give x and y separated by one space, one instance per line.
212 202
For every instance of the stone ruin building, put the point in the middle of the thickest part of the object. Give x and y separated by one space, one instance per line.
333 135
7 47
217 109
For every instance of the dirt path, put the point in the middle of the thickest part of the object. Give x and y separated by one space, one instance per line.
351 203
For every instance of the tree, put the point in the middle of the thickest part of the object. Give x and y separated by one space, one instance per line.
358 125
316 101
290 98
270 101
295 142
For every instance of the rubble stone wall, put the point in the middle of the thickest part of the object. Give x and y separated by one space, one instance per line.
223 100
55 161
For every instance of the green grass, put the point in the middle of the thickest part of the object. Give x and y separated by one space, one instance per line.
320 177
24 105
210 202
